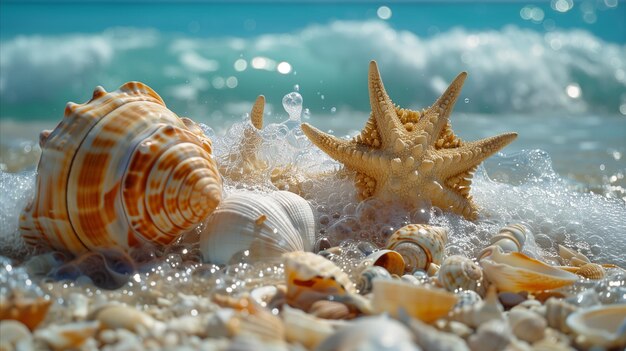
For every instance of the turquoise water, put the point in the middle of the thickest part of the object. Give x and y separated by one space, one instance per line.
553 71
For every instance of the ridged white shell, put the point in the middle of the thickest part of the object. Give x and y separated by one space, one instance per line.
419 244
601 326
119 170
266 225
514 272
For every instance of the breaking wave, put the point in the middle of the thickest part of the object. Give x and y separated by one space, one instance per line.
511 70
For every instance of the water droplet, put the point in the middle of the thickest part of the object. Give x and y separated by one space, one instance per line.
292 103
296 87
333 109
467 100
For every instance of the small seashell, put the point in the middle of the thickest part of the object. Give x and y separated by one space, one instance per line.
67 336
235 228
311 277
306 329
410 278
526 325
14 335
431 339
79 304
370 333
514 272
264 294
490 336
419 244
331 310
418 301
480 312
600 326
460 273
510 239
433 269
257 321
118 171
124 317
591 271
388 259
572 258
509 299
364 283
28 310
557 311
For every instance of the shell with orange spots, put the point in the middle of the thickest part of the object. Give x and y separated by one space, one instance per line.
118 171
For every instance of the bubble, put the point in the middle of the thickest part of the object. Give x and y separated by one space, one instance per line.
292 103
467 100
383 13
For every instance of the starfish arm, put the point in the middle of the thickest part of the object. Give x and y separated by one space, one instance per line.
449 200
469 155
354 156
439 113
256 114
389 125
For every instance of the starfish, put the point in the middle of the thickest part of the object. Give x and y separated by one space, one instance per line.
405 156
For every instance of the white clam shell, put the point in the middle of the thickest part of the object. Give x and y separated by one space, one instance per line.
266 226
603 326
514 272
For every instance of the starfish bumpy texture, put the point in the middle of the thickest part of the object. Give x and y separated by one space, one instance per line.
406 156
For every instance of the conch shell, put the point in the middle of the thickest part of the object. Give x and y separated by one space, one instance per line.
510 239
120 170
514 272
419 244
266 226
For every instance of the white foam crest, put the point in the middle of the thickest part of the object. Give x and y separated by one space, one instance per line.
38 67
16 190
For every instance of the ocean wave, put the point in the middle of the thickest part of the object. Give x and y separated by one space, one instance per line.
511 70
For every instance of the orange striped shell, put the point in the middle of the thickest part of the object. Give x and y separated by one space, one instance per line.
120 170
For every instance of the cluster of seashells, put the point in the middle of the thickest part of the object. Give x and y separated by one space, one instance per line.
122 170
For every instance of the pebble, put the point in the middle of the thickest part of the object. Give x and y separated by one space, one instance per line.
510 300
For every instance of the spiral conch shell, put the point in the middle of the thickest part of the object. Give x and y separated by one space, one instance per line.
120 170
419 244
261 227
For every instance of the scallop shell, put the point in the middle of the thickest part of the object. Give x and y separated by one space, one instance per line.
120 170
514 272
311 277
600 326
510 239
419 244
364 283
419 302
480 312
390 260
526 325
260 227
591 271
460 273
